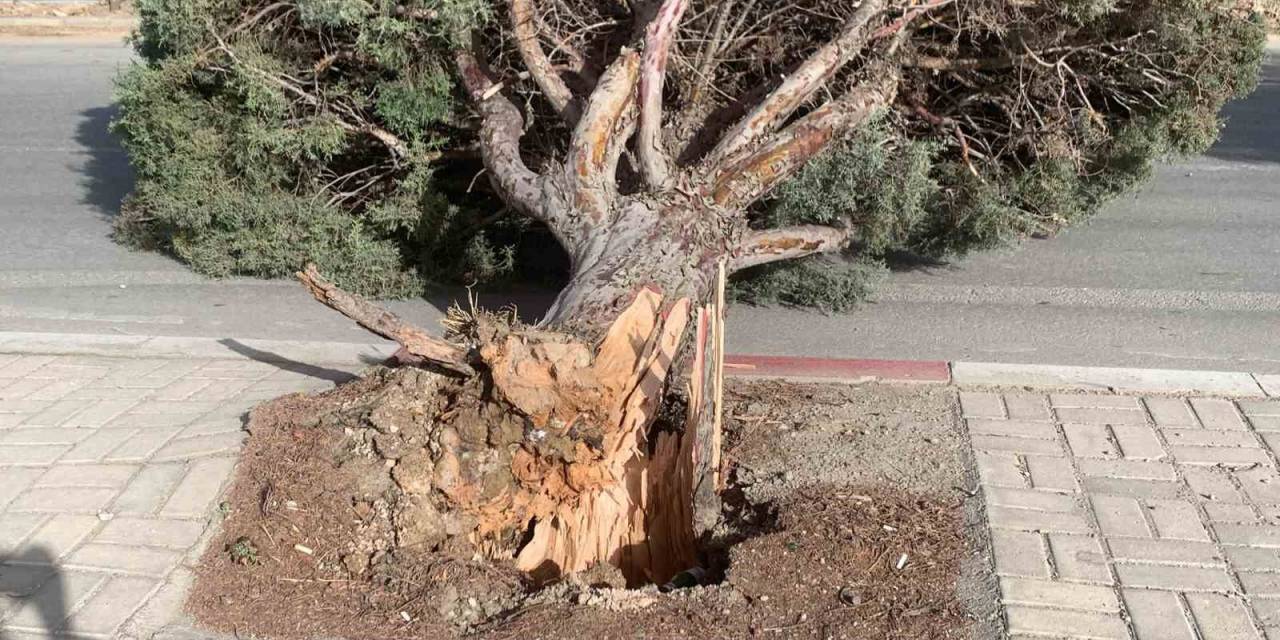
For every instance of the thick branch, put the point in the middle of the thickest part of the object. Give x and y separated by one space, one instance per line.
501 127
600 135
654 160
385 323
801 84
751 178
788 243
525 24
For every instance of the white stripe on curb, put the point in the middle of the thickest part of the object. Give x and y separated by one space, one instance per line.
1108 379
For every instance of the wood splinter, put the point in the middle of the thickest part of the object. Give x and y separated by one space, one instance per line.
416 341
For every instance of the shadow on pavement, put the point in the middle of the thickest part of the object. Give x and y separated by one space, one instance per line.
1253 129
29 582
335 376
107 176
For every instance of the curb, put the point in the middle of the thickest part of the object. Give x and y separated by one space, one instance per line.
37 26
795 369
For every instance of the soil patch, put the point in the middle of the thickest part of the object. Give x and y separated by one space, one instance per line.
844 518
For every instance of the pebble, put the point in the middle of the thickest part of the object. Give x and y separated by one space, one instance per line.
105 515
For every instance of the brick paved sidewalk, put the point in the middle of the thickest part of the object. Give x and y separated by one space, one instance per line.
1124 517
109 470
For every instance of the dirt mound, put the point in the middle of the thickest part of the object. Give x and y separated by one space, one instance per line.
323 537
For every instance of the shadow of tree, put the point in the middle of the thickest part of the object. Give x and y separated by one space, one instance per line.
336 376
33 589
107 178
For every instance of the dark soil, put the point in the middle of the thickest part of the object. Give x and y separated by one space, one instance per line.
843 519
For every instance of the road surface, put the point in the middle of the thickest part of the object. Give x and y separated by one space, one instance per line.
1184 273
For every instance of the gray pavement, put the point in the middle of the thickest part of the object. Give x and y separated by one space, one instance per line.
1183 274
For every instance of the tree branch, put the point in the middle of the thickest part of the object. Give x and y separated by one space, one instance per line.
754 176
654 160
525 24
386 324
774 245
500 130
801 84
600 135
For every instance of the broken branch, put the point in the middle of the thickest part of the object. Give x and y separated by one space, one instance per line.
773 245
654 160
525 24
386 324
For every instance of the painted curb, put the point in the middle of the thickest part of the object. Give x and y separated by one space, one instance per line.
800 368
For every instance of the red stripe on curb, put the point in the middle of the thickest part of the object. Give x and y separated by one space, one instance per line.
838 369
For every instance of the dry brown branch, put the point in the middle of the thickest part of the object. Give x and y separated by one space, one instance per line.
524 23
386 324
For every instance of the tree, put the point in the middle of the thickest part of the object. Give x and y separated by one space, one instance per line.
660 142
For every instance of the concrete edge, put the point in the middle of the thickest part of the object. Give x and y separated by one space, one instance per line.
70 26
795 369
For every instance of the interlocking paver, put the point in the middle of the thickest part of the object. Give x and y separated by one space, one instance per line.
1212 484
1029 520
130 559
1052 622
1052 593
148 490
1131 469
1016 445
1119 516
1219 455
1157 615
195 494
1171 412
999 469
53 599
183 448
61 533
1173 578
1164 551
1176 519
1089 440
1093 401
87 475
1051 473
1101 416
1013 428
981 405
1030 499
1079 558
114 602
1207 438
152 532
1025 406
64 500
1216 413
142 444
1019 553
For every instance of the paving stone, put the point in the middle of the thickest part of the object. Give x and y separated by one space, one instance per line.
1265 424
96 446
152 532
196 493
1119 516
63 500
1171 412
1089 440
21 388
1219 455
24 366
10 420
87 475
1079 557
999 469
981 405
114 602
1084 624
15 480
61 533
129 559
1268 612
1013 428
1265 585
22 580
142 445
1164 551
181 389
1015 445
1209 438
1176 519
1092 401
1130 469
48 607
1138 442
43 435
152 421
1260 484
1051 473
200 446
1215 413
1211 484
1173 578
1101 416
172 407
1019 553
1253 408
1065 595
1252 558
1228 512
1030 499
57 413
1156 615
1027 406
148 491
1132 488
225 390
15 527
99 413
213 427
1251 535
42 454
1028 520
92 391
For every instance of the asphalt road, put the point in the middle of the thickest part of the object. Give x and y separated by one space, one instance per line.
1184 273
